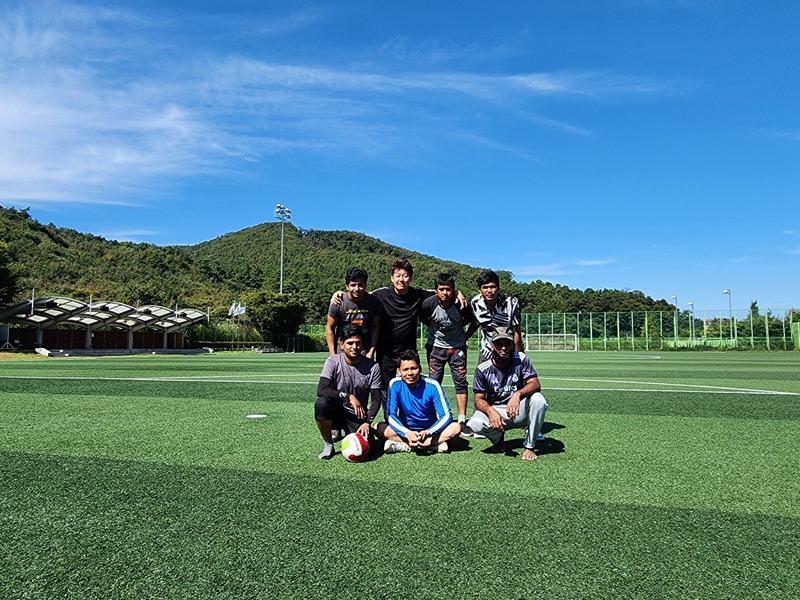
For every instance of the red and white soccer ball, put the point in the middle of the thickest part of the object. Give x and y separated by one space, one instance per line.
355 447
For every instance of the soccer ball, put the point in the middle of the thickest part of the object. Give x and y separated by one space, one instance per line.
355 447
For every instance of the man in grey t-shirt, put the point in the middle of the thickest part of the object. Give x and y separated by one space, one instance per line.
348 379
447 341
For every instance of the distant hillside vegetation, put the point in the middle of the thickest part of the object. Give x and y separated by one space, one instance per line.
58 261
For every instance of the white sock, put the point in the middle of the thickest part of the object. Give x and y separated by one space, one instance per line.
327 451
462 418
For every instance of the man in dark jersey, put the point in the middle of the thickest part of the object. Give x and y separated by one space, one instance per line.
507 395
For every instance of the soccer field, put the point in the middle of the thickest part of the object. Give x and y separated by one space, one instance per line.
670 475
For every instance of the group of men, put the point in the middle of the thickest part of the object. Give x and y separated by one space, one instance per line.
373 362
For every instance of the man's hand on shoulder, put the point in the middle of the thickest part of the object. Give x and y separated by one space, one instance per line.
337 298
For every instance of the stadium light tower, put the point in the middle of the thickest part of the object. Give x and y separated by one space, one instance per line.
283 214
675 321
691 323
727 292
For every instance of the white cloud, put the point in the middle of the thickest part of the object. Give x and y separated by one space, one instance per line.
99 105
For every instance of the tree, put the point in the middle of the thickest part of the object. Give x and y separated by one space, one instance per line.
8 275
275 315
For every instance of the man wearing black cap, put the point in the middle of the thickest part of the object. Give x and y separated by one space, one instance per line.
507 395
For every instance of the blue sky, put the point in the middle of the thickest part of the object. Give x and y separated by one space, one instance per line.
632 144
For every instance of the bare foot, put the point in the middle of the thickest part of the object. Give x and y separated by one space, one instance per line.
529 454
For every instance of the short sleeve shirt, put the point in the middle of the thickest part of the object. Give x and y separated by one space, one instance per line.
399 318
499 385
352 379
445 325
360 313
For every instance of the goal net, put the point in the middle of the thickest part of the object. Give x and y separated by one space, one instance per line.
551 341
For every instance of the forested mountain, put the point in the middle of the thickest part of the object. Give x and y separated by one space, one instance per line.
58 261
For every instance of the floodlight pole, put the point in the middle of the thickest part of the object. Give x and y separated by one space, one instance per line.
675 321
691 323
727 292
283 214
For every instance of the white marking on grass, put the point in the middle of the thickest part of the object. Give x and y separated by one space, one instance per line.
657 391
160 379
697 386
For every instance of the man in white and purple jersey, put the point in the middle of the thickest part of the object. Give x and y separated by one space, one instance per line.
492 308
507 395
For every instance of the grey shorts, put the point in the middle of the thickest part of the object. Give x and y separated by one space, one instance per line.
456 358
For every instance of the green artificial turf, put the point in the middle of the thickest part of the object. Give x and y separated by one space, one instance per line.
141 477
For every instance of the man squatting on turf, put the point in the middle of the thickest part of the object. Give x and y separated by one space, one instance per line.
347 379
507 395
417 413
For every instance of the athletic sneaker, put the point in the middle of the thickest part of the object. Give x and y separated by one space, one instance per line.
327 453
443 448
466 432
390 447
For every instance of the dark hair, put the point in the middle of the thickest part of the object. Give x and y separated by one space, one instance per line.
355 273
349 330
410 355
488 277
402 263
444 279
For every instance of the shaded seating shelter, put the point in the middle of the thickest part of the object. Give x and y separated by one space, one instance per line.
47 312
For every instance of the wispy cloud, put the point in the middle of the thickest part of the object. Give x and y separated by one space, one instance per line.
99 105
787 134
595 262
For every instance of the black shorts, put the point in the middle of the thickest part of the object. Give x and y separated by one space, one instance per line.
456 358
329 409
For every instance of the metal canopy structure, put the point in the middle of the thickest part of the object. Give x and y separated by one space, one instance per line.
46 312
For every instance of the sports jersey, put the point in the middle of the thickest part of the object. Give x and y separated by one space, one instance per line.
506 312
500 384
422 407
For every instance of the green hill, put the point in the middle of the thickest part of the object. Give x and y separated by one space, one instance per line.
59 261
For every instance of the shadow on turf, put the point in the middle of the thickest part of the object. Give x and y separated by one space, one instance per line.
546 446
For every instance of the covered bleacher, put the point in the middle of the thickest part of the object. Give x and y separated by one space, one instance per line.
58 323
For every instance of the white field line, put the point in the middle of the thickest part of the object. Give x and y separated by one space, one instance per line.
677 388
694 386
